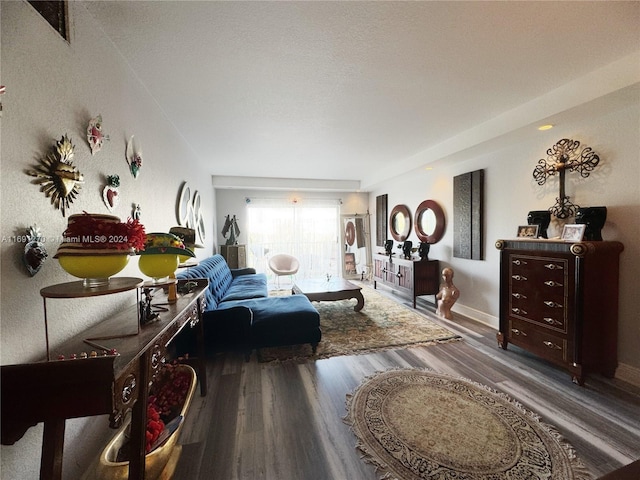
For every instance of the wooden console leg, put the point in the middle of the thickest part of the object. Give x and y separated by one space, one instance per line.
52 449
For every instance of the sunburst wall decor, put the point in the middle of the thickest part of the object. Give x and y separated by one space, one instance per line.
57 176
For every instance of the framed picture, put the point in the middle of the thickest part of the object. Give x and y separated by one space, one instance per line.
350 263
528 231
573 232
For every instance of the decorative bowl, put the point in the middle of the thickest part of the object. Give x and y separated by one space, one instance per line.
156 460
159 265
94 269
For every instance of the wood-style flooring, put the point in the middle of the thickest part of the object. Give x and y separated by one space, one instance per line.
284 421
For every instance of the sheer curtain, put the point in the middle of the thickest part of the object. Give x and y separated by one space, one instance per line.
306 229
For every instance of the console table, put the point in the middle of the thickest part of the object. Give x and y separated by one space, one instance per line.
409 277
52 391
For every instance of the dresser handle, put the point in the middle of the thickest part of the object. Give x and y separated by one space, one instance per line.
519 262
399 275
519 278
553 266
518 295
552 345
551 283
551 304
519 311
552 321
515 331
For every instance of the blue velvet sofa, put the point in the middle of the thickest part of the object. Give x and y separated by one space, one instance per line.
241 315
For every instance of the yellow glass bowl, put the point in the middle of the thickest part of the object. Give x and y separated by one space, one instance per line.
158 265
95 269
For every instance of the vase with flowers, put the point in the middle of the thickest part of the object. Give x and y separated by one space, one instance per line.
96 246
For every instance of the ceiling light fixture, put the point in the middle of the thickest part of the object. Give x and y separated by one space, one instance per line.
548 126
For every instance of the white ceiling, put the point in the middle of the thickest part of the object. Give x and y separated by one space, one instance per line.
353 90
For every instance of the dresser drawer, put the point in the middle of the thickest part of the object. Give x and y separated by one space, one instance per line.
539 291
541 341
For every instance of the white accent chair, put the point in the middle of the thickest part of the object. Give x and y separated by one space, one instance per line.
283 264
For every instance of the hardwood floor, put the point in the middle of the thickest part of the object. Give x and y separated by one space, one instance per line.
284 421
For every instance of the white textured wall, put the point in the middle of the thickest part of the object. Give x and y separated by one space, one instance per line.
510 193
54 88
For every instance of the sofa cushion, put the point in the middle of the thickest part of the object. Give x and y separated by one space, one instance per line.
247 286
290 312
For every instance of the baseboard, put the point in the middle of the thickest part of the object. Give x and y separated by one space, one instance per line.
628 374
478 316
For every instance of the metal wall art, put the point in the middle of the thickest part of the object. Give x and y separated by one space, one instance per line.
134 157
565 155
57 176
34 252
95 137
188 211
110 194
468 193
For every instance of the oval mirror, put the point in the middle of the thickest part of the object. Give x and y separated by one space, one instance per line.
429 222
350 233
400 223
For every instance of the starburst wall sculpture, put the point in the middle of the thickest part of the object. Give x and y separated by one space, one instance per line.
57 176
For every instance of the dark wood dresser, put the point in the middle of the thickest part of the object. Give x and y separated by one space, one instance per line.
408 277
559 300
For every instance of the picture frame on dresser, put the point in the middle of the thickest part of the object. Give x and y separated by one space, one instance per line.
573 232
528 231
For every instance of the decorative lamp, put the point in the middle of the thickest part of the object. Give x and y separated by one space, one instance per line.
159 259
96 247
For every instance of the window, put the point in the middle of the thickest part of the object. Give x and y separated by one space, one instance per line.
307 230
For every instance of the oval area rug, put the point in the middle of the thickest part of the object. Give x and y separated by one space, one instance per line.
417 424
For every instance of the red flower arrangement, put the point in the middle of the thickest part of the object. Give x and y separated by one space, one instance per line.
105 231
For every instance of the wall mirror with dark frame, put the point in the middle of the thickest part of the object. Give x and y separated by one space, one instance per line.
356 252
429 222
400 223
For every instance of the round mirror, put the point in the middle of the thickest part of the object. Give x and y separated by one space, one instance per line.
400 223
429 222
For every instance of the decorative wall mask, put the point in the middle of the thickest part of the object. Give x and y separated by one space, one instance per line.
188 211
57 176
134 157
564 156
34 252
95 137
110 194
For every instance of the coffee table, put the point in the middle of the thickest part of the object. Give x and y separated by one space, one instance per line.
328 291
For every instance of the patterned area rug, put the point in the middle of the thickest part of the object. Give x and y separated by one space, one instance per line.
416 424
381 324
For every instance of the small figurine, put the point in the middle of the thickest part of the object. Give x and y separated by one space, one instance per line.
448 294
423 250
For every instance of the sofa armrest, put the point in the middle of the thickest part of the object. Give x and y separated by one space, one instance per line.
235 272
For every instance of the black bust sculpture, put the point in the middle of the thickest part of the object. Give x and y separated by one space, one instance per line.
542 218
388 247
406 248
594 218
423 250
